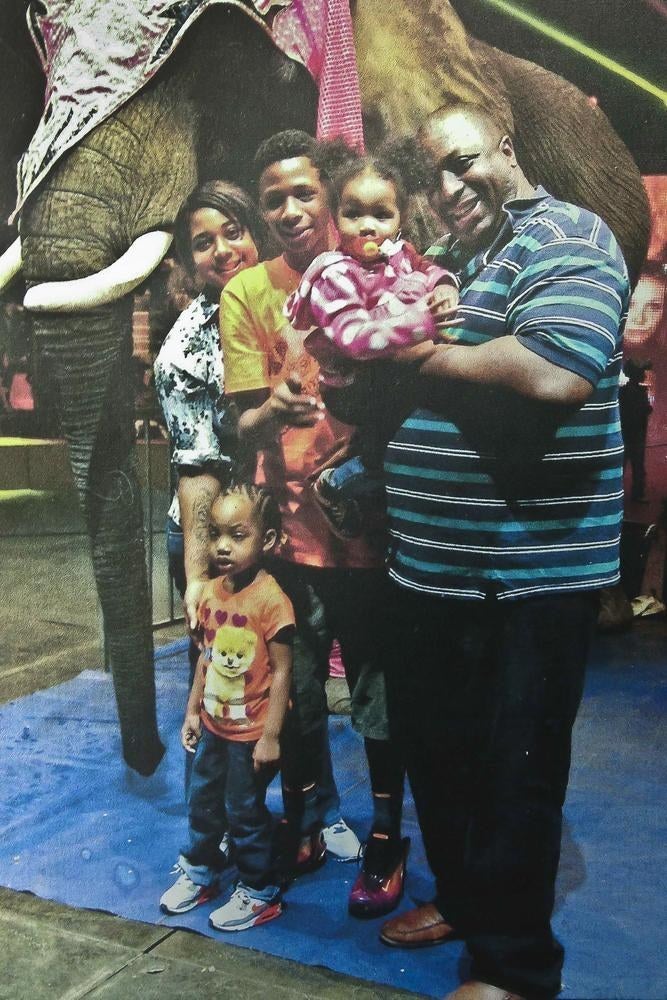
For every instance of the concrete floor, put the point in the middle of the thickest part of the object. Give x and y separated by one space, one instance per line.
49 629
56 952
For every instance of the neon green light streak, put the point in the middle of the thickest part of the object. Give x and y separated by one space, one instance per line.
585 50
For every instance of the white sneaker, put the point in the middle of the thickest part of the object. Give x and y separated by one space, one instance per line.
341 842
244 911
184 895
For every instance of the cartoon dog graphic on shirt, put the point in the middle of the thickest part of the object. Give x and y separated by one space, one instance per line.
232 655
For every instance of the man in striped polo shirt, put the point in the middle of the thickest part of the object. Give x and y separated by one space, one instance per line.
504 493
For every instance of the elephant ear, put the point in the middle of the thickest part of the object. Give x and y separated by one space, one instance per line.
414 58
571 148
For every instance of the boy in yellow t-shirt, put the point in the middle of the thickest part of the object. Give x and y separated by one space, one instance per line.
335 585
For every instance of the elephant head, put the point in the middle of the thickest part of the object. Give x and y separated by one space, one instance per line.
191 98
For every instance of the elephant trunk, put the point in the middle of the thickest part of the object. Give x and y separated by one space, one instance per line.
114 187
89 366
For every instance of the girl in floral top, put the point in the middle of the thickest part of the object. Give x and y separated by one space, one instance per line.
218 233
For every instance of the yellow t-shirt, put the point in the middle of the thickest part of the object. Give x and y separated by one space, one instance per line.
260 349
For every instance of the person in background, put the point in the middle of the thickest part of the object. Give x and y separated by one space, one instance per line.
635 411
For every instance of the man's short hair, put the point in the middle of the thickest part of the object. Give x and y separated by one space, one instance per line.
478 112
283 146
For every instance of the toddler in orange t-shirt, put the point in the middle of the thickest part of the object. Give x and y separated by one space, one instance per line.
235 715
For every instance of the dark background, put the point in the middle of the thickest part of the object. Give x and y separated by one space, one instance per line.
634 32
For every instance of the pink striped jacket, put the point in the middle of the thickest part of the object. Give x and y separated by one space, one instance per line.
365 311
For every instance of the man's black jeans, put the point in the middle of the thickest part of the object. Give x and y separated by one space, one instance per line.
483 696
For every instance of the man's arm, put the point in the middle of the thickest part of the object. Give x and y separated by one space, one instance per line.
267 750
563 315
264 412
504 363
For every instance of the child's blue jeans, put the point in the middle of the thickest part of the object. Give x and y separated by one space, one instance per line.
355 481
226 794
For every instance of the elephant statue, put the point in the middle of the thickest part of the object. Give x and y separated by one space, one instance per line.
170 93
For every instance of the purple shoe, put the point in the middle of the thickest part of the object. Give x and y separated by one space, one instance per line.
379 885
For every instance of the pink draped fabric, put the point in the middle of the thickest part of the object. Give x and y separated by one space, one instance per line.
319 33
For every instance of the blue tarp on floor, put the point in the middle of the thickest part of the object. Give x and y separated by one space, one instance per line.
80 828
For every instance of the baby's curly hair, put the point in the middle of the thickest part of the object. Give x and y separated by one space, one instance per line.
400 161
264 504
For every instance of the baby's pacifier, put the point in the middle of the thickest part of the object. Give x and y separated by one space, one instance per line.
366 249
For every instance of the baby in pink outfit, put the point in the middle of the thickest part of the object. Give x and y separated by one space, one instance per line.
370 298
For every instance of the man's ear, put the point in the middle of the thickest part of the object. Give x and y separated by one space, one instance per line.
506 147
270 539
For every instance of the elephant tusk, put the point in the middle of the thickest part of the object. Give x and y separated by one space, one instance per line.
107 285
10 263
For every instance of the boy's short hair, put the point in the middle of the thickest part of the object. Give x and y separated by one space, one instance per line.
283 146
263 502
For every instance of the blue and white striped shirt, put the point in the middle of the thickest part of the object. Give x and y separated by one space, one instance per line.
501 495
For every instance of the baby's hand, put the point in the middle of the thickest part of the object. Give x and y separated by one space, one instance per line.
442 303
190 732
267 751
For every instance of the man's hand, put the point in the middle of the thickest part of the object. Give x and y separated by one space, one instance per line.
190 731
289 405
191 600
267 751
415 355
